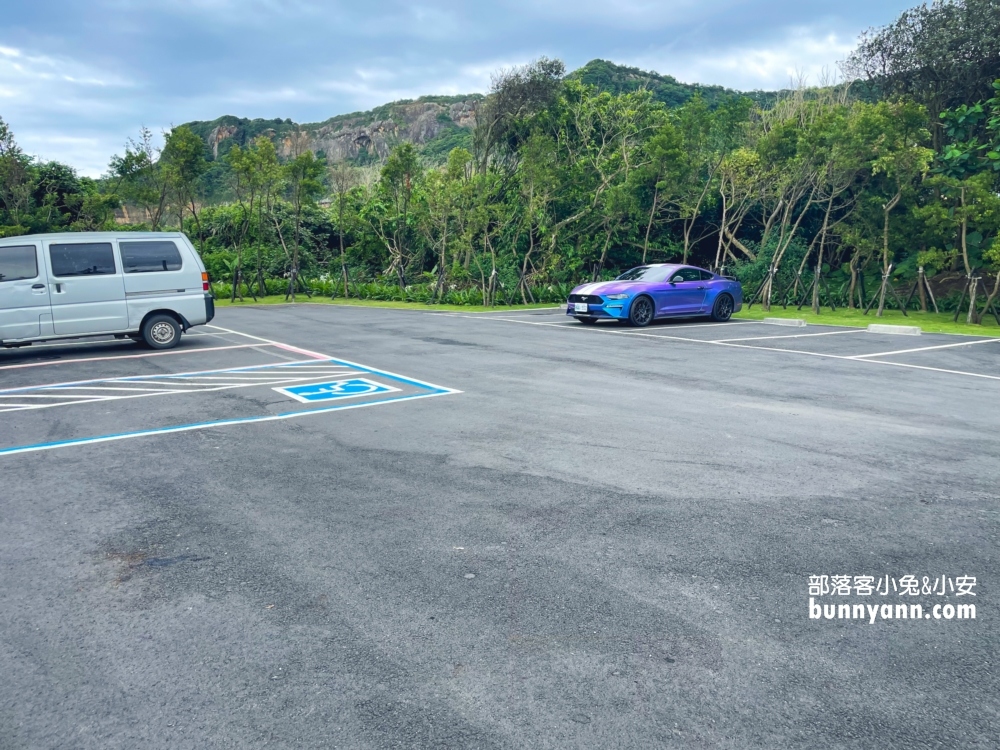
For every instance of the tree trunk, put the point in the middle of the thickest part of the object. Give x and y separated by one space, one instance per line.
343 269
972 317
739 245
991 298
718 249
649 224
854 280
885 249
965 232
604 253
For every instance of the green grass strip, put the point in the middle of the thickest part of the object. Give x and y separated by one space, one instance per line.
351 302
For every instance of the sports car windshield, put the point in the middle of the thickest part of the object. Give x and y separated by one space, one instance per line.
646 273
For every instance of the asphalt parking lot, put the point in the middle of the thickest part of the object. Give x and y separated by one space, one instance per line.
321 526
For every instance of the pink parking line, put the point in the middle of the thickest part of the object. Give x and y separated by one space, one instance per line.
143 356
297 350
286 347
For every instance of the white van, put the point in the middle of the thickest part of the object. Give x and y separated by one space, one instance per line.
149 286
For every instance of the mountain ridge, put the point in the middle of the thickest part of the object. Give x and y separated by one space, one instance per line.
435 124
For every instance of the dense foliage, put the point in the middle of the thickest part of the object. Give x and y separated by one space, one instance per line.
845 195
619 79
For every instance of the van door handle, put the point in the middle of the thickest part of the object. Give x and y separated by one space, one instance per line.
38 286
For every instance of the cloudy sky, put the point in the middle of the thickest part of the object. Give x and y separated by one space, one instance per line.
78 77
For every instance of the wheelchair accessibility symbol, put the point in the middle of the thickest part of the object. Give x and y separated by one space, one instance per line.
336 389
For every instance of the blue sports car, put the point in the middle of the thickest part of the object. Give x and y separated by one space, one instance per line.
661 290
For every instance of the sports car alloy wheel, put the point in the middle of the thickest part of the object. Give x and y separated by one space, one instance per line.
641 313
723 309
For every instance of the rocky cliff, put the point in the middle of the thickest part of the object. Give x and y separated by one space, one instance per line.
358 136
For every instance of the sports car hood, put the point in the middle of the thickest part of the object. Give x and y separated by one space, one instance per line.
609 287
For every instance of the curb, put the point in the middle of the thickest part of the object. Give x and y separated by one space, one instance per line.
794 322
898 330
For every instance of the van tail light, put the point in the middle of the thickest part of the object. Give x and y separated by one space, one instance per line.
204 281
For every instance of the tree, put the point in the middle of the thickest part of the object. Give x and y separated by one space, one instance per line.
139 179
344 178
515 95
942 54
302 178
900 159
15 185
183 163
254 173
657 177
391 219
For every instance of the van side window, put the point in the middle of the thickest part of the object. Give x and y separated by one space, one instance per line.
18 263
82 259
146 257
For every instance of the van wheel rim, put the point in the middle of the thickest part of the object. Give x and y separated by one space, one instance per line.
162 333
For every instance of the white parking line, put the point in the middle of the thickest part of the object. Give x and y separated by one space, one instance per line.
61 396
128 356
611 331
102 388
280 374
793 336
927 348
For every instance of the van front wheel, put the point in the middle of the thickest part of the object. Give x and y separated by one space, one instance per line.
161 332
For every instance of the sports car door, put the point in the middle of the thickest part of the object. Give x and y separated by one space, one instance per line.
684 293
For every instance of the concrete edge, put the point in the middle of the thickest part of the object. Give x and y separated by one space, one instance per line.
794 322
897 330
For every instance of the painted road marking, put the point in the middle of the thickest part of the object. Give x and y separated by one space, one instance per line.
789 336
855 358
423 390
337 389
282 373
927 348
192 350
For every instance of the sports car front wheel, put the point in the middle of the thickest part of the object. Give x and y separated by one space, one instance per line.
641 312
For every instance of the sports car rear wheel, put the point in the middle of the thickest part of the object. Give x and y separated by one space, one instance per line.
641 312
722 310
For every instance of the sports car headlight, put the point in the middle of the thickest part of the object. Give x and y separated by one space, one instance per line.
617 296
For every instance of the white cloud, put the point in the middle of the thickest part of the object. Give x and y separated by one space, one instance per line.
58 107
626 14
800 52
18 67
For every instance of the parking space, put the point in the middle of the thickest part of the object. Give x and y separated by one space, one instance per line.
603 538
968 356
104 391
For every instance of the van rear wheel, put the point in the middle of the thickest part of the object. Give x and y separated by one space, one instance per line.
161 332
